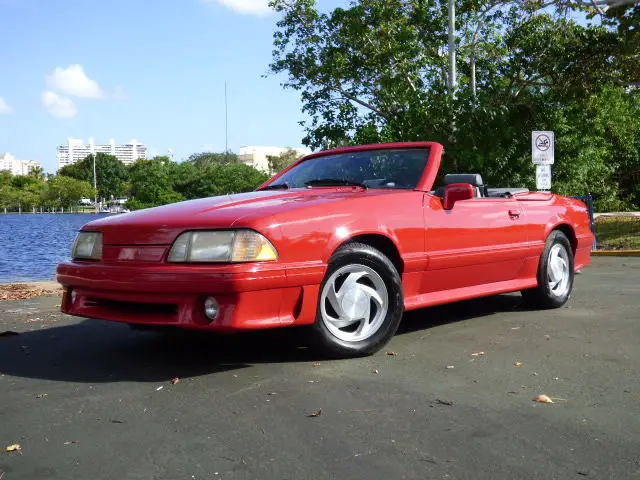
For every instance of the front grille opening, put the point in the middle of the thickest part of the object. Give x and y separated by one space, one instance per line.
166 311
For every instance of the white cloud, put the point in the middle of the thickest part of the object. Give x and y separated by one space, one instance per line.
5 108
249 7
58 106
73 81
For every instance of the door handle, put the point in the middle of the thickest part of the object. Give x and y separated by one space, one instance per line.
514 213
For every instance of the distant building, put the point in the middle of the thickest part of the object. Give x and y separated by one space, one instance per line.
258 156
15 166
75 150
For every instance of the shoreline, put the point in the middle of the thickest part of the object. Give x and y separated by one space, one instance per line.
27 290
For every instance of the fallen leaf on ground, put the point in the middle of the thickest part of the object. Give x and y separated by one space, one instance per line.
8 333
477 354
392 354
72 441
317 413
14 448
25 291
175 380
518 364
543 399
41 395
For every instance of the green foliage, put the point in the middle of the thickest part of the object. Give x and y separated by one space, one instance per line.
5 177
376 71
148 183
37 173
206 159
111 174
277 163
151 183
66 192
159 181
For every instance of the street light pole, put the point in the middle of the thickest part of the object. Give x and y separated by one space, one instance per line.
453 79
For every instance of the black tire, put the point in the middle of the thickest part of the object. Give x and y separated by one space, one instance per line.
543 296
359 254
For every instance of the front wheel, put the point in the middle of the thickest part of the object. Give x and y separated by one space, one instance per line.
360 305
555 274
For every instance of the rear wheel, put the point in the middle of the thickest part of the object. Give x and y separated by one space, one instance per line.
360 305
555 274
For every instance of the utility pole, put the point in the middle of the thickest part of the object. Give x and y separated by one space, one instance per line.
453 79
95 182
226 124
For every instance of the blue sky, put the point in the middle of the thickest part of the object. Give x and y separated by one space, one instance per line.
150 70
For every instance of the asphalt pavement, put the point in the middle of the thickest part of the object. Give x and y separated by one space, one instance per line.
450 397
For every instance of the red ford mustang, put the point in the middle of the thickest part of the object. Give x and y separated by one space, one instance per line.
344 241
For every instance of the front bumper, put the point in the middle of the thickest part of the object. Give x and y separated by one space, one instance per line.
250 296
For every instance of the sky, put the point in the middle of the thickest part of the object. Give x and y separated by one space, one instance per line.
154 71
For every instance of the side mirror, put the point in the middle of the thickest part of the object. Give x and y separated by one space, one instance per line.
456 192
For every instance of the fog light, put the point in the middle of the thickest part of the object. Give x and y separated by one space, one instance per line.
211 308
73 296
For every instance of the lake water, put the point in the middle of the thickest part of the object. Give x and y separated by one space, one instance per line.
32 245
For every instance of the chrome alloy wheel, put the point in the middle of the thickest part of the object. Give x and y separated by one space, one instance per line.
354 303
558 275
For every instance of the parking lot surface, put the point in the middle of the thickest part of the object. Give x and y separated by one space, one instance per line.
450 397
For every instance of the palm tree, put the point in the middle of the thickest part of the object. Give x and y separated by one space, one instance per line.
37 172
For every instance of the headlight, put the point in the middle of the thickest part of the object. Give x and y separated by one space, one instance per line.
222 246
88 246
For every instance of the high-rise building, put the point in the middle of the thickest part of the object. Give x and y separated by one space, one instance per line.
15 166
75 149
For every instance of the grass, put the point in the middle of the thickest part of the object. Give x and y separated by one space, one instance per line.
618 233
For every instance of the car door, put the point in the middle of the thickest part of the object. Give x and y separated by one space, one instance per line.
478 241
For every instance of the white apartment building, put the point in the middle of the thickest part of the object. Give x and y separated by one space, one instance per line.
75 150
15 166
257 157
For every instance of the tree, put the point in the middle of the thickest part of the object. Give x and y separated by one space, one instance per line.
66 192
37 173
151 183
217 179
376 71
277 163
111 174
5 177
205 159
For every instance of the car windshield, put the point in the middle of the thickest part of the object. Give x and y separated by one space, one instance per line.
385 168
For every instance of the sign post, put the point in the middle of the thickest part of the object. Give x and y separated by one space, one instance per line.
542 155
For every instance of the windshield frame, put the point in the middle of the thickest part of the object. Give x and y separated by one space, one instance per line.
425 183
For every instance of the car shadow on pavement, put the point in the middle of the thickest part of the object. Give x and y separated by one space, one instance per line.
460 311
94 351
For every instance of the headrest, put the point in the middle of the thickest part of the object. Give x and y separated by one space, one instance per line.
473 178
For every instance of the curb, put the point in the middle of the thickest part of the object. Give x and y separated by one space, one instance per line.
615 253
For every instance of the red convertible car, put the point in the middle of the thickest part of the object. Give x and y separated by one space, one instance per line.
344 241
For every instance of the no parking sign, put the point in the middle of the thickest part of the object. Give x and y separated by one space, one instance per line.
543 156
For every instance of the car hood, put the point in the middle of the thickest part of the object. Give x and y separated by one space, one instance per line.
161 225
